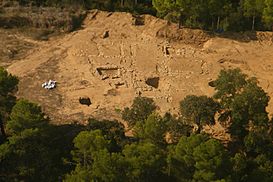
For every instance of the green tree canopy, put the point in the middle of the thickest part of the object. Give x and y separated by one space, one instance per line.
198 158
136 162
212 162
146 162
199 109
105 166
249 108
253 9
26 115
181 160
141 108
27 157
176 127
217 9
243 102
153 129
8 85
247 169
8 82
113 131
86 144
228 83
164 7
109 167
268 13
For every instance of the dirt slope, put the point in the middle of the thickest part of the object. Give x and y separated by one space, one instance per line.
113 69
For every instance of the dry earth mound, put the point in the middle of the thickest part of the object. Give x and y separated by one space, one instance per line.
117 56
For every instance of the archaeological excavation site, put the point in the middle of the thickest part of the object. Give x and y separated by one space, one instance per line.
114 57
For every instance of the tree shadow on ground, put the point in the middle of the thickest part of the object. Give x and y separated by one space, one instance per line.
239 36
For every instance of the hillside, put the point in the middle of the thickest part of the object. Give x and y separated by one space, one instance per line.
115 57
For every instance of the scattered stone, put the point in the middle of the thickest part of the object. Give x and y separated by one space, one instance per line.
104 77
109 14
221 60
108 71
119 83
105 34
165 50
84 82
95 13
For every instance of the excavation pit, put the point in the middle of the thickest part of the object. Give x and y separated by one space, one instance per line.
153 82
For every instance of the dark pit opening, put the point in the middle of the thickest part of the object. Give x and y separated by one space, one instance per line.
102 71
167 51
85 101
211 84
138 20
154 82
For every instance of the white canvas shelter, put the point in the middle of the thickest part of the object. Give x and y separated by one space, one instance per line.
50 84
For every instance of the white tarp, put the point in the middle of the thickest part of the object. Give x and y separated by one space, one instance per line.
50 84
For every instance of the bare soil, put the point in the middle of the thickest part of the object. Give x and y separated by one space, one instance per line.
111 70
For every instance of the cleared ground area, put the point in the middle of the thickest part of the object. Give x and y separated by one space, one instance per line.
116 57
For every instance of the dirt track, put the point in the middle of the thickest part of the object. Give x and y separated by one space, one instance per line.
113 70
